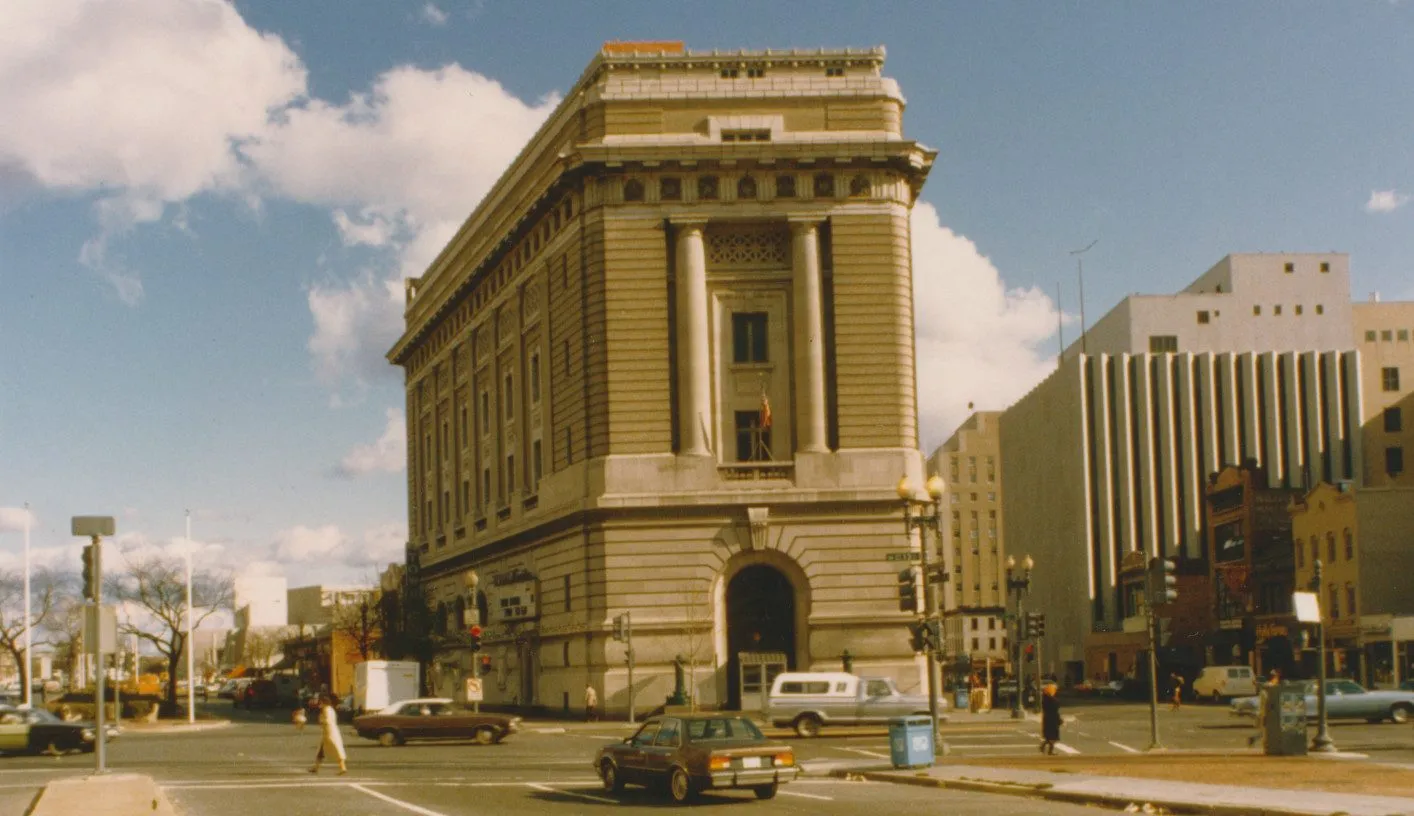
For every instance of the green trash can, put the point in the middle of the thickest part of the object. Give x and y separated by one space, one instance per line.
911 742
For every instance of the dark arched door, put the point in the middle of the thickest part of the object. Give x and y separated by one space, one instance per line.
760 618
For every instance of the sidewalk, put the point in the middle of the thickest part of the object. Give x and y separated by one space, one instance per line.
137 727
107 795
1237 784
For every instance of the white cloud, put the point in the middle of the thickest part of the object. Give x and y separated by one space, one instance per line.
1383 201
301 543
12 519
434 15
387 455
977 341
138 103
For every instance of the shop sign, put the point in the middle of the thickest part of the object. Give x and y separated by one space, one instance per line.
1266 631
512 596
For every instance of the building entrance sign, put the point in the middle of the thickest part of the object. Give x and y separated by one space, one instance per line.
513 596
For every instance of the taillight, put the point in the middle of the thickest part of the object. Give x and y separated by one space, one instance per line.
785 760
719 763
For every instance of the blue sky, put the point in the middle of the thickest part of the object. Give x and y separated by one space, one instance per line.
206 210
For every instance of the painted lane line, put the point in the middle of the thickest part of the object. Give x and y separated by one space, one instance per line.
1125 748
422 811
548 789
1066 749
784 792
863 752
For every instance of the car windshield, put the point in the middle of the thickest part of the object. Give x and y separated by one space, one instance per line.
39 715
722 728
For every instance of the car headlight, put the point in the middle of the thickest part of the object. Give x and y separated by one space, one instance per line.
514 724
88 735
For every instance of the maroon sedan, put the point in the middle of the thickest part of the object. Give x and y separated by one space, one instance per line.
433 718
697 752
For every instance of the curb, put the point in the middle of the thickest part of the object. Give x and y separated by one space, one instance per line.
1044 791
174 728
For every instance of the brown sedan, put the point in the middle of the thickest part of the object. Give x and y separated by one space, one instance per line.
697 752
433 718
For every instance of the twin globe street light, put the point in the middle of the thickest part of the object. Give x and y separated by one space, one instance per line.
927 633
1017 587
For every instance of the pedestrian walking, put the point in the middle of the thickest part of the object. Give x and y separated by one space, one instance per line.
1177 692
1050 718
331 743
299 718
1273 680
591 703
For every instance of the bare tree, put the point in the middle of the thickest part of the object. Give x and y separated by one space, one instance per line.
45 590
697 634
156 584
65 627
263 643
359 623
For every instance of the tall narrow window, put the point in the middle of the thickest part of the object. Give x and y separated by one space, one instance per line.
753 442
569 446
749 337
1349 545
567 594
1389 378
1394 419
466 427
746 188
1394 460
466 496
510 398
485 488
535 465
510 474
535 378
485 412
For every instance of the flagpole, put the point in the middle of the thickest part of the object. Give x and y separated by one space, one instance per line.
191 678
29 658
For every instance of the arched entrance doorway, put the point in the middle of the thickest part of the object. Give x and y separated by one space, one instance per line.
760 607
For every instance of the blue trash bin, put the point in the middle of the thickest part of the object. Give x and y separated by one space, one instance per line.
963 699
911 742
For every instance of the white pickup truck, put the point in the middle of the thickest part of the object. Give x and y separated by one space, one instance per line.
807 701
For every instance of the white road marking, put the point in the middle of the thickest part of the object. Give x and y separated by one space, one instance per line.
784 792
1121 746
1065 749
862 751
548 730
548 789
400 803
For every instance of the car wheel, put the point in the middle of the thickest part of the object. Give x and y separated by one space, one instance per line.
388 739
766 791
610 776
680 786
1217 698
807 726
485 736
1400 714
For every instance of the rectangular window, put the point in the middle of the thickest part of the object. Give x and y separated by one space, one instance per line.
1315 550
1386 335
536 465
953 463
535 378
1403 335
1335 603
1330 548
1276 310
972 469
1203 316
755 73
1290 267
510 474
749 337
1257 310
1298 309
1325 267
446 441
485 412
1389 378
1350 600
991 468
569 446
1394 420
834 72
746 135
485 488
1163 343
976 623
975 645
1349 545
753 442
510 398
466 427
1394 460
466 497
1370 336
1320 310
567 593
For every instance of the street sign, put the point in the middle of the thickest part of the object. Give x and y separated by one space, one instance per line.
903 556
100 629
473 689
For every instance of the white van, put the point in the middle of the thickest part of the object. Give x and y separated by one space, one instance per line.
1217 682
806 701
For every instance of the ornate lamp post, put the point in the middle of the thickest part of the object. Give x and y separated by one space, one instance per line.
1322 742
921 519
1017 588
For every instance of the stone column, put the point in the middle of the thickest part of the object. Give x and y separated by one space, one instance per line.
694 367
809 336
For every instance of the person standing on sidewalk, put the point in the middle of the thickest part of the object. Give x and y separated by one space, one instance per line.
1050 719
331 742
591 703
1273 680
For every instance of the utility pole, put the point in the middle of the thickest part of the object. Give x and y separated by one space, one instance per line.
95 527
934 487
628 649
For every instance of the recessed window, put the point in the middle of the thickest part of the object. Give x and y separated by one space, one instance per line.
633 190
785 186
535 378
1403 335
1394 419
1203 316
746 187
1298 309
1163 343
1369 336
1387 336
537 465
1276 310
510 473
1257 310
569 446
755 73
485 488
510 399
730 73
1320 310
485 412
1394 460
1290 267
707 188
670 188
567 608
753 441
824 185
859 186
1349 545
749 342
1325 267
759 135
834 72
1389 378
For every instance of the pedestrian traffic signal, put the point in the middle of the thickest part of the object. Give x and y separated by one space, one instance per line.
908 590
1038 625
474 634
89 585
1162 583
485 665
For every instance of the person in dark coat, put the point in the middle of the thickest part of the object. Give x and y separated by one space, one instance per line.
1050 719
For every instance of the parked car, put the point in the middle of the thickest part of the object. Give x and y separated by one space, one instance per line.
696 752
807 701
233 687
1345 700
433 718
33 730
1217 682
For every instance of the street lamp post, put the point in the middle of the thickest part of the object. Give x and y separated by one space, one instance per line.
1322 743
1017 588
191 657
921 520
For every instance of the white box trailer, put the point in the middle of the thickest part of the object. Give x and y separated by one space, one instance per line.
379 683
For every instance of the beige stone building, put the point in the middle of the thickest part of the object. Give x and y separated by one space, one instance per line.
1383 334
666 369
974 597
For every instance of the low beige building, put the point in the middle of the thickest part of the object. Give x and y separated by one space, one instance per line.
665 371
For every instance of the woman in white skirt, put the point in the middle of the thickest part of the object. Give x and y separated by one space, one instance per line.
331 742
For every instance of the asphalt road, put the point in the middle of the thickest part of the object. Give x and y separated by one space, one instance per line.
257 767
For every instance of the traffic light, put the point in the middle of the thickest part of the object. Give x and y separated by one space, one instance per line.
1162 583
918 636
908 590
935 634
1025 625
485 665
474 633
1038 625
88 573
620 628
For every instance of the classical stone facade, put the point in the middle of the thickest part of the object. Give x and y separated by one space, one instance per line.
666 369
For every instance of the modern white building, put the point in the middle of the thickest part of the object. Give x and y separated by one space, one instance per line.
1253 361
260 601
